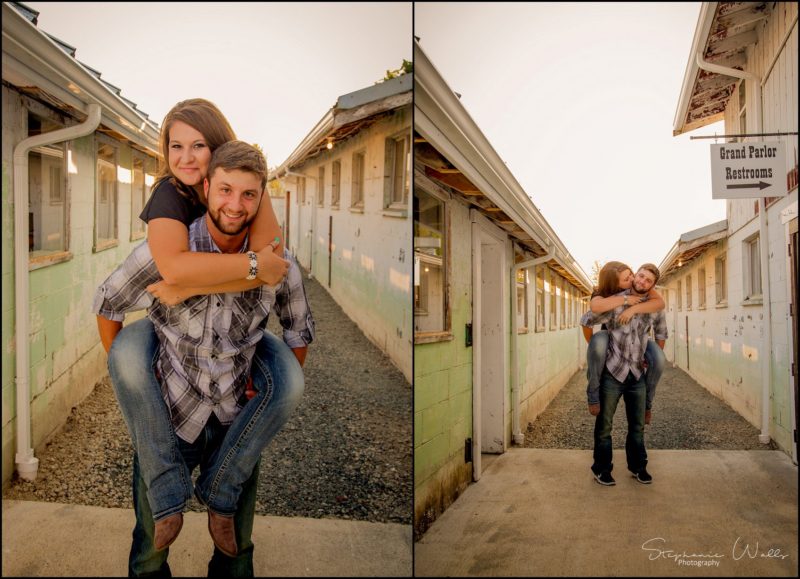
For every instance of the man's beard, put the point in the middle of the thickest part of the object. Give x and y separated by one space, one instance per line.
638 291
227 230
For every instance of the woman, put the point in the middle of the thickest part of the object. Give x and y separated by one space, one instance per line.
190 133
613 278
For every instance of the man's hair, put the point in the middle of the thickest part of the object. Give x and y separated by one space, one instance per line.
652 269
608 279
238 155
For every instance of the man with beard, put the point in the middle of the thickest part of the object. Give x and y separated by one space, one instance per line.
623 377
204 364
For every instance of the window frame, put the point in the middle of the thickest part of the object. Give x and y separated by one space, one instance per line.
390 201
446 333
321 186
357 183
752 275
701 288
336 183
152 162
539 300
43 258
522 328
721 280
106 243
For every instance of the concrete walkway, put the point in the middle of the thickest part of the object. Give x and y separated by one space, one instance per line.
57 540
538 512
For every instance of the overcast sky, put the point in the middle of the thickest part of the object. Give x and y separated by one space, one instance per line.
579 101
274 69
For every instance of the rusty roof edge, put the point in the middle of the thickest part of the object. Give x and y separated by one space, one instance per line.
693 239
476 158
702 30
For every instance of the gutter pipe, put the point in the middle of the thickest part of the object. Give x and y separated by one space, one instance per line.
27 464
516 432
763 232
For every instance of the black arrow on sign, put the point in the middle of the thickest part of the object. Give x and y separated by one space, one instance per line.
760 185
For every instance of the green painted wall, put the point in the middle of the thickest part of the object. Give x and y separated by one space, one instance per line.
66 357
443 390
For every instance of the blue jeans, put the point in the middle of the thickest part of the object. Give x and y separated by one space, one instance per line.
145 561
278 380
633 392
596 362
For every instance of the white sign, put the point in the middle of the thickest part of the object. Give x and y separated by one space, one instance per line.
748 170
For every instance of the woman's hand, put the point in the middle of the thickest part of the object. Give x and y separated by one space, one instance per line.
271 268
167 294
634 299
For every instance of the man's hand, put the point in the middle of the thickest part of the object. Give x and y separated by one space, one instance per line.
594 409
271 268
626 316
168 294
648 414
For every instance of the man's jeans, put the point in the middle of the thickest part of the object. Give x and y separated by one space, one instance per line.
145 561
596 363
278 380
633 392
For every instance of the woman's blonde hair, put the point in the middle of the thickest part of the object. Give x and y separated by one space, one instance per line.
608 279
201 115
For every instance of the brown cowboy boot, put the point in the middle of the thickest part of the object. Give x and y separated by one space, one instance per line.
223 533
166 531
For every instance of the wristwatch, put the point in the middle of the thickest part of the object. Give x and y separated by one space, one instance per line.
253 265
624 300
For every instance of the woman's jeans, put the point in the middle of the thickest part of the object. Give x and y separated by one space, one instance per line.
278 381
596 363
145 561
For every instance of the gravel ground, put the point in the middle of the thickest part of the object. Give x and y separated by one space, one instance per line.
685 416
345 453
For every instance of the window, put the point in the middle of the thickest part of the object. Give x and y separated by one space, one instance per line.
752 259
47 192
569 306
321 187
144 175
522 300
720 279
562 290
553 301
679 296
688 292
701 288
540 298
336 182
301 190
357 194
430 271
397 173
105 212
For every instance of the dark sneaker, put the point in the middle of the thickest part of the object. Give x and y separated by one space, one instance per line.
605 478
643 477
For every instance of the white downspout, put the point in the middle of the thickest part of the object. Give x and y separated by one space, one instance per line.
517 434
763 233
27 464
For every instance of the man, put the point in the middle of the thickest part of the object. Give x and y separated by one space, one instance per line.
623 376
204 361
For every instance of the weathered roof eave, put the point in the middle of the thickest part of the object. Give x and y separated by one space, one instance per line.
441 118
704 20
29 54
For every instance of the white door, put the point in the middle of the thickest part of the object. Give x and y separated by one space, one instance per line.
489 328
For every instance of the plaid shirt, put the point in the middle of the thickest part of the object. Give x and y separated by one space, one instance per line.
627 342
207 342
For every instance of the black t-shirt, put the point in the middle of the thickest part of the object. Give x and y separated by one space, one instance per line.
167 201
